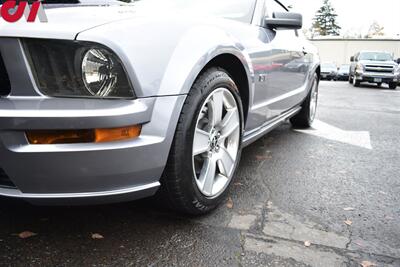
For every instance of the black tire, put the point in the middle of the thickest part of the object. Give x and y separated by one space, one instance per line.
393 86
379 84
356 83
303 119
179 187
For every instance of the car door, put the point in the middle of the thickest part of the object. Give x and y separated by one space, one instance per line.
288 66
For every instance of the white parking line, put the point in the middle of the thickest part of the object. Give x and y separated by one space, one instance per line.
355 138
391 91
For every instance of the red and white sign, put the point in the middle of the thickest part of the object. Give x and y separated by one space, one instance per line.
11 12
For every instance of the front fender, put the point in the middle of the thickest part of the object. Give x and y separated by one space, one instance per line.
194 51
165 57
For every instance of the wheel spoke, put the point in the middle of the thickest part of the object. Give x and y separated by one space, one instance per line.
216 142
217 107
230 123
200 142
207 176
226 161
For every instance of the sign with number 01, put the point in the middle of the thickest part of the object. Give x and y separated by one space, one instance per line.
11 12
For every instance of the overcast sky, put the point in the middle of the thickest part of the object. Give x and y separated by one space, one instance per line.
355 15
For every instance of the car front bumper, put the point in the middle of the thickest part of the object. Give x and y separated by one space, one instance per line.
376 77
85 173
327 76
342 77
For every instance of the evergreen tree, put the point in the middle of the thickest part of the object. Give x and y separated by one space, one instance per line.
325 23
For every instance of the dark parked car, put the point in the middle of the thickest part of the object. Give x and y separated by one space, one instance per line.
374 67
328 71
343 73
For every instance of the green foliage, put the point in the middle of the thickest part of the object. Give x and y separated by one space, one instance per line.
325 23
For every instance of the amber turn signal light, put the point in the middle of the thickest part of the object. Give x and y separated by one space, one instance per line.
116 134
49 137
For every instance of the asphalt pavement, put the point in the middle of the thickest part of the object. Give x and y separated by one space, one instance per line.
329 196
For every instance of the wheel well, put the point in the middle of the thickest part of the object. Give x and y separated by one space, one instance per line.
236 70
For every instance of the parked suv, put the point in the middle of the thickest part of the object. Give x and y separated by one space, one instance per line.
374 67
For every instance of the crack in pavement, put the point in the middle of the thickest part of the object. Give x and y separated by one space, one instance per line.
275 232
350 238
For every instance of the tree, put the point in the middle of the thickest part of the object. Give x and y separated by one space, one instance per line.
375 30
325 23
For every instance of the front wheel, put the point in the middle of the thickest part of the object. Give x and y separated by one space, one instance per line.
306 116
207 146
355 82
393 86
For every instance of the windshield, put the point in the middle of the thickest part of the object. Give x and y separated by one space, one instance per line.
376 56
241 10
344 67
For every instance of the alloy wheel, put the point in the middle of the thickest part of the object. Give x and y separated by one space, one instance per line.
216 143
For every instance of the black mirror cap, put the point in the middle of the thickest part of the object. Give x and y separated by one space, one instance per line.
398 61
352 59
284 20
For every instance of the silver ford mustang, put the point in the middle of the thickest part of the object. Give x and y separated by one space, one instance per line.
112 101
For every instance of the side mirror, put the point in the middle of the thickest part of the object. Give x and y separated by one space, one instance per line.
352 59
398 61
284 20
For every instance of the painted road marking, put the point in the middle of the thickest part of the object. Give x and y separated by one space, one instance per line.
324 130
391 91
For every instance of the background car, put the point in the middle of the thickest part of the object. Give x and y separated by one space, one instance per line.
328 71
343 73
374 67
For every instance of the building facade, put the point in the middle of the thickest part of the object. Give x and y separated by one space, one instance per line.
339 51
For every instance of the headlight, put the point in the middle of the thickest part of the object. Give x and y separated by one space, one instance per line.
360 68
397 70
77 69
98 72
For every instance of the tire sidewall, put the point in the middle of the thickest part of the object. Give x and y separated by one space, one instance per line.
308 102
217 79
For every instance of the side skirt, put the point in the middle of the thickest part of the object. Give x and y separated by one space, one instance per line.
255 134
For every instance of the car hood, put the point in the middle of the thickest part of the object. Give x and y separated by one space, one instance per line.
380 63
67 22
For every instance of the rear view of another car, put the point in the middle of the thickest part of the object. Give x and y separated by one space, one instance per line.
343 73
328 71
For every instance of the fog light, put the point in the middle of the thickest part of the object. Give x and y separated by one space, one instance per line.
44 137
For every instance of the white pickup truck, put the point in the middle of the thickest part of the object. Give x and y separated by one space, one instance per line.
374 67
